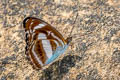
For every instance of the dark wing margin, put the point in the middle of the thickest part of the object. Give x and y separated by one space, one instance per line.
27 18
24 21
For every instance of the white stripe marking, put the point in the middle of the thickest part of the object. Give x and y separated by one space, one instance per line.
33 35
48 32
58 39
56 43
42 36
30 31
26 21
38 26
47 47
36 57
31 27
31 23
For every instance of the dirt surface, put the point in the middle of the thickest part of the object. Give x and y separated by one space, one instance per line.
94 53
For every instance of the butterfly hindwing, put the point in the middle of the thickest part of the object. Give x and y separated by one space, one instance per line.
43 42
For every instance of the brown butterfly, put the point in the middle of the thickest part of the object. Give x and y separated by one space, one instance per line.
43 42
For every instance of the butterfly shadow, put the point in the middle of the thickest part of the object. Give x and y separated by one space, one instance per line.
58 69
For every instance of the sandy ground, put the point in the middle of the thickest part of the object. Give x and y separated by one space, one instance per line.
94 53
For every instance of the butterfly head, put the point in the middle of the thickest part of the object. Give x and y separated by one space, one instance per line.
69 39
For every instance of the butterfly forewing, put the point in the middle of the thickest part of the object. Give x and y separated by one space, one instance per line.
42 41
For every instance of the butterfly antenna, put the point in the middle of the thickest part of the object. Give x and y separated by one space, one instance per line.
69 39
73 26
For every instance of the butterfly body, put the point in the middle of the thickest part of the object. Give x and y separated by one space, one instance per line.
43 42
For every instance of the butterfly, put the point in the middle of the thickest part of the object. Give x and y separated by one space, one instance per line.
43 42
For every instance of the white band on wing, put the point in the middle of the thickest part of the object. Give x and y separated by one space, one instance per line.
47 48
42 36
36 56
39 26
